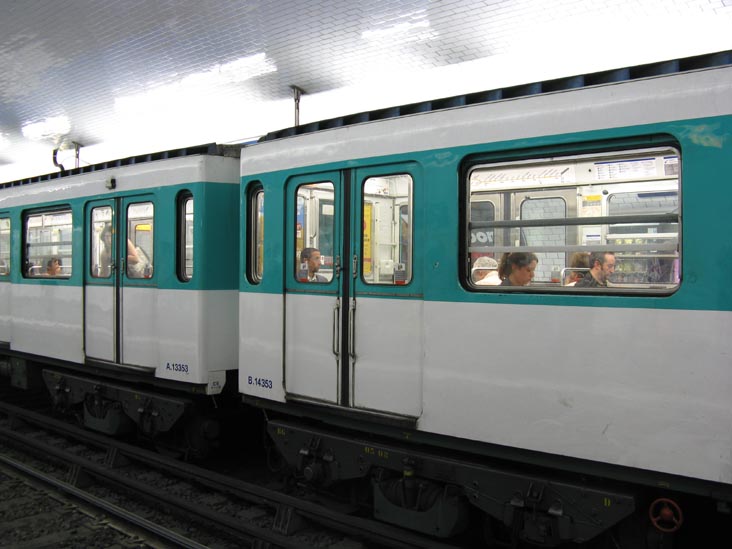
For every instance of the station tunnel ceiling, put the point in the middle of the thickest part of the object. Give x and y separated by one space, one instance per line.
111 78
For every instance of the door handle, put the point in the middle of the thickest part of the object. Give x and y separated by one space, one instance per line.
336 330
352 330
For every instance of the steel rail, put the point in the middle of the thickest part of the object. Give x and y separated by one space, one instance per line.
109 508
363 527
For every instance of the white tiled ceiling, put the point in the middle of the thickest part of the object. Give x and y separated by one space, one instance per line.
129 76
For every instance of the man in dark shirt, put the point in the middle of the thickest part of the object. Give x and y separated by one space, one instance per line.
310 264
602 265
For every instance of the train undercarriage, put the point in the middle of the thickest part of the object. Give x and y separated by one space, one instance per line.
448 496
184 424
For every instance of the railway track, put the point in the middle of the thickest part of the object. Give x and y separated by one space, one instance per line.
41 511
171 503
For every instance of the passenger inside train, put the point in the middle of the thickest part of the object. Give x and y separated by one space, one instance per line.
309 266
579 265
602 267
485 272
53 267
517 268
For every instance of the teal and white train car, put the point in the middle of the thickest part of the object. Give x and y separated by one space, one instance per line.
126 272
563 411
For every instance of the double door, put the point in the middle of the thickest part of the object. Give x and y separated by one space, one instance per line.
353 297
119 278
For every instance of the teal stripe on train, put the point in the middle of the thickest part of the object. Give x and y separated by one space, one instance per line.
705 146
216 233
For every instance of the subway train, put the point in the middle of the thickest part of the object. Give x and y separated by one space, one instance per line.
337 277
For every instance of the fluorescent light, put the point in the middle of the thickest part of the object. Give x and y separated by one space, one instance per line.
45 129
194 86
414 26
395 31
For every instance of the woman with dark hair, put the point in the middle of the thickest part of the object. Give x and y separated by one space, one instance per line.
517 268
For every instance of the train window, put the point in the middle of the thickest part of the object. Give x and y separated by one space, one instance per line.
140 230
47 250
591 223
387 230
255 246
185 236
101 260
4 246
314 232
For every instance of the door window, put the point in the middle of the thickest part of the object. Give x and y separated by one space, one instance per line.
314 232
102 259
140 231
387 230
4 246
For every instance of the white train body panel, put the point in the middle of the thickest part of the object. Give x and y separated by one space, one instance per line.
47 321
584 395
387 372
310 366
196 329
99 311
5 317
260 345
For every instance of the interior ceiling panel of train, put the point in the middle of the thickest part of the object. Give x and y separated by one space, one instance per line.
104 79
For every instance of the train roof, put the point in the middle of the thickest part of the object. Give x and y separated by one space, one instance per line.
656 95
211 149
663 68
660 68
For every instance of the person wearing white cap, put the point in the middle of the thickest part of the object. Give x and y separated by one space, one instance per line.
485 272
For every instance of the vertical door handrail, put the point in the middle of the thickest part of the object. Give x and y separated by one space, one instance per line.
336 328
352 329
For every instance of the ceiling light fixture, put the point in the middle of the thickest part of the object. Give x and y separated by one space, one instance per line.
53 127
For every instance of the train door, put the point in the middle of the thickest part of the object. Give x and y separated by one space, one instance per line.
353 301
118 274
385 308
314 286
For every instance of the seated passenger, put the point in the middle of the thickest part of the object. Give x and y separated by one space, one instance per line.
602 265
104 269
485 272
310 265
579 264
517 268
133 257
53 267
137 261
